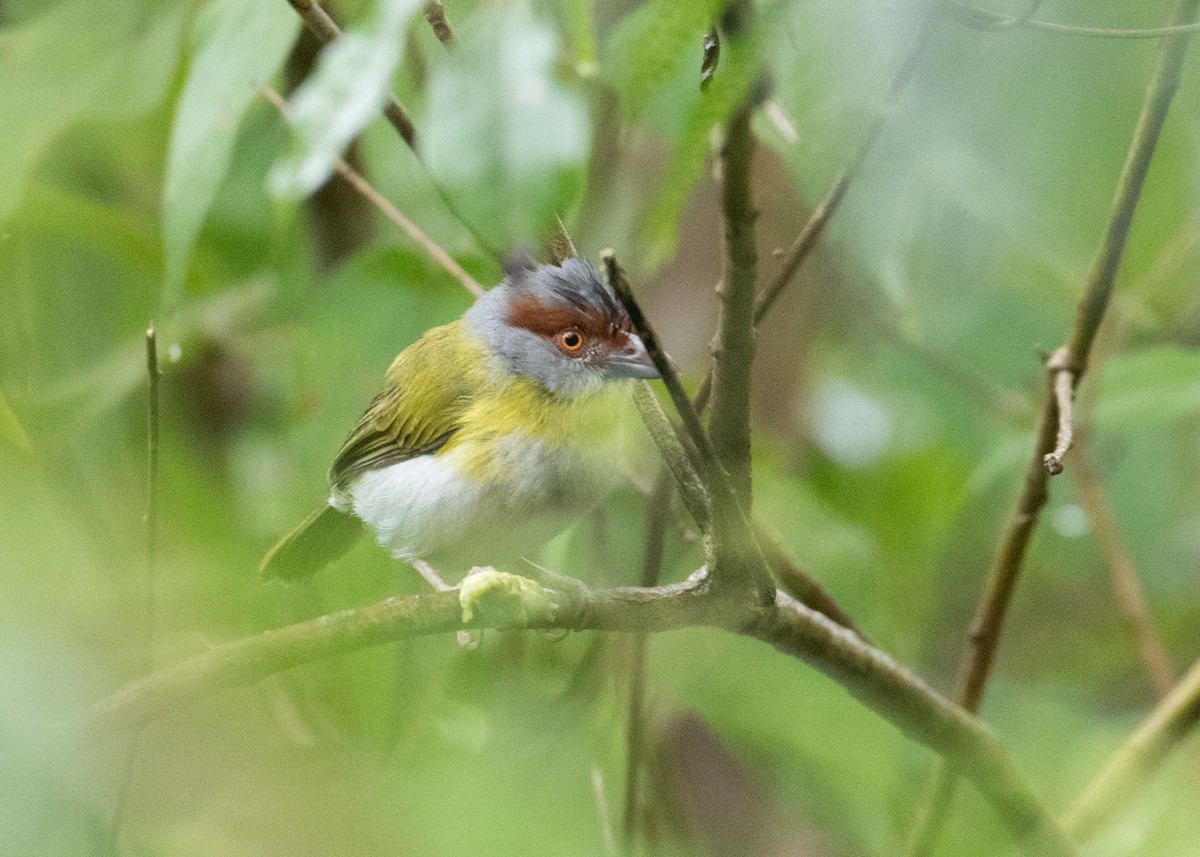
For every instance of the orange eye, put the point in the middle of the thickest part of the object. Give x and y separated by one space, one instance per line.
570 340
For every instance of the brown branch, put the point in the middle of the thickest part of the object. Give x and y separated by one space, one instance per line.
1006 567
733 345
1125 584
877 680
321 25
435 14
363 187
1142 753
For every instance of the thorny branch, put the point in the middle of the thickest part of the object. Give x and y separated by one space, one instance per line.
1071 363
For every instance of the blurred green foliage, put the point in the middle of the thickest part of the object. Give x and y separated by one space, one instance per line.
894 403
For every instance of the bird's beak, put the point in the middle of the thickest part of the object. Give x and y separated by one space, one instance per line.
632 361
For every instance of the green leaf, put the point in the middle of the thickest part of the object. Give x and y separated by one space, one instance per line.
651 47
236 45
335 103
506 139
11 430
1148 387
84 59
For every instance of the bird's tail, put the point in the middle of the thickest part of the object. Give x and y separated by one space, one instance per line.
320 538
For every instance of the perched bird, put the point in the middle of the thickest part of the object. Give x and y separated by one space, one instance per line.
491 433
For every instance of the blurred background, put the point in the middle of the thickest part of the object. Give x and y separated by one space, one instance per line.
896 388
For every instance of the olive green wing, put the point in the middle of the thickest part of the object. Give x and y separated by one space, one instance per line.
429 387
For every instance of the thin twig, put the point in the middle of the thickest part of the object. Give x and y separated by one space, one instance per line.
1132 764
658 514
363 187
150 585
326 30
983 19
1062 387
666 368
990 613
1126 587
871 675
997 26
435 14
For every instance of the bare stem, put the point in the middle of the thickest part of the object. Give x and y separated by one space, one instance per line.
871 675
1006 567
1141 754
321 25
982 19
1125 584
129 763
369 193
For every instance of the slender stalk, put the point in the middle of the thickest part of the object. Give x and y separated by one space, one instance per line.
1141 754
658 515
150 585
1126 587
872 676
321 25
983 19
1006 567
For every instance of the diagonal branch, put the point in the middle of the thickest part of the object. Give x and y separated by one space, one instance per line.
1141 754
871 675
1070 363
1125 584
356 181
321 25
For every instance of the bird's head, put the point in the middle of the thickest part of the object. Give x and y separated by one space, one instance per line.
560 325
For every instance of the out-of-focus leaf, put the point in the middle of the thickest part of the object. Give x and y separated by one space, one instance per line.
345 92
11 430
237 44
84 59
503 136
651 46
693 143
1148 387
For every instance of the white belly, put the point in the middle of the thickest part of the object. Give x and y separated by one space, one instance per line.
427 508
